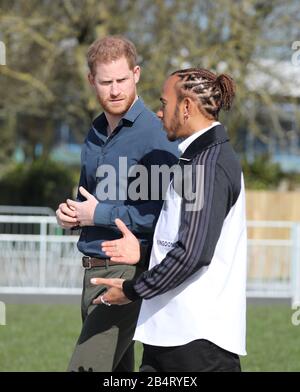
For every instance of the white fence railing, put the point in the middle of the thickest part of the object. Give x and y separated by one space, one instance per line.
37 256
44 262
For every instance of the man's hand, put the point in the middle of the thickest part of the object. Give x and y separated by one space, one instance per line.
126 250
66 216
114 296
84 211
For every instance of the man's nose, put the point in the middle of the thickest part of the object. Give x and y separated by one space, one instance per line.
115 89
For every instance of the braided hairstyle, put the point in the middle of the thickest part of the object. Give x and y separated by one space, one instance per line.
211 92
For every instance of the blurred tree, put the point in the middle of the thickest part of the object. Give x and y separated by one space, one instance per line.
226 36
44 80
45 77
262 173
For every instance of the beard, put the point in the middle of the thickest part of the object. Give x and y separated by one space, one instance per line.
117 108
172 130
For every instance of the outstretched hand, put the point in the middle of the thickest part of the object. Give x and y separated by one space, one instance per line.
125 250
114 295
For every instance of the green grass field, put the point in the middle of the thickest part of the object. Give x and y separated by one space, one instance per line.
41 338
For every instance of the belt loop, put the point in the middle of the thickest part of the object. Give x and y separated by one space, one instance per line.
106 263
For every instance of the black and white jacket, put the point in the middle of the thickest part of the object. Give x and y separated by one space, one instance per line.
196 283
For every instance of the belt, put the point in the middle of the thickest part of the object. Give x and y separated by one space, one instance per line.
91 262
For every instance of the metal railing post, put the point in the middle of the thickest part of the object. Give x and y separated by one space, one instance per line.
43 253
296 264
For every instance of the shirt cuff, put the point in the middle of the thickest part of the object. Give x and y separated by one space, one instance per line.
102 214
129 290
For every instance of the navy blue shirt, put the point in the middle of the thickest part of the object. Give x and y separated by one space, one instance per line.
139 139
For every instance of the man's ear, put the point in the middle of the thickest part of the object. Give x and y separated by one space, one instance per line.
91 80
187 106
136 73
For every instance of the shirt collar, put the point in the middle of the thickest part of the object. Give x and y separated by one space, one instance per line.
135 110
184 145
99 125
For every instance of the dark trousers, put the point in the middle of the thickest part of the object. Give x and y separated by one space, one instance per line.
196 356
105 342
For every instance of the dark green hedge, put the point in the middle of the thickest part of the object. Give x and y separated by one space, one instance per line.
42 183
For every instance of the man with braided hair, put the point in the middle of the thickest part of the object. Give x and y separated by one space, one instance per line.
194 294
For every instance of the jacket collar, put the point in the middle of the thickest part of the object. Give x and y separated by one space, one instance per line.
213 136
